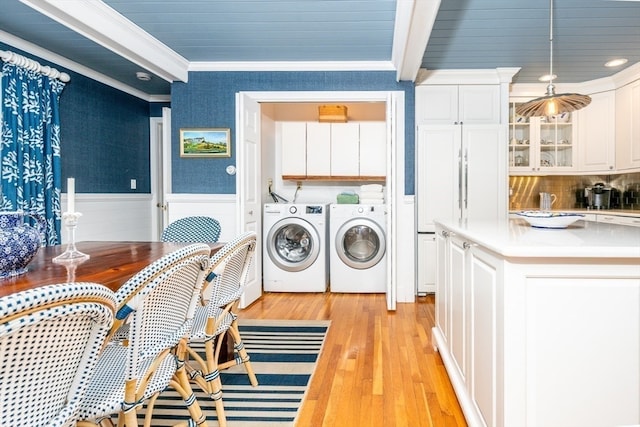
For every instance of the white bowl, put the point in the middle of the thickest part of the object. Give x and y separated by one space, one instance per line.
542 219
559 118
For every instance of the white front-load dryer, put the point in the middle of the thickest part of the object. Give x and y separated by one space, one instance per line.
358 248
295 258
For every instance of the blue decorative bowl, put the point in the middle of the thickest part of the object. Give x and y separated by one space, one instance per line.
19 242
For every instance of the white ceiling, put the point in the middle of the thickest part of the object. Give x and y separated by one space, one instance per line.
112 39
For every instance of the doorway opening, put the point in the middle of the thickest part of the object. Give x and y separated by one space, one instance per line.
257 115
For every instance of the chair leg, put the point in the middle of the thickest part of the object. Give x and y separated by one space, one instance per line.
243 356
181 384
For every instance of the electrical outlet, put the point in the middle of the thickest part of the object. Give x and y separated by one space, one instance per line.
299 184
269 182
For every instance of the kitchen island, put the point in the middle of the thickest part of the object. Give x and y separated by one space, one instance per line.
540 327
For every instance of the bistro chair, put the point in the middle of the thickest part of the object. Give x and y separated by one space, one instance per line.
193 229
133 371
50 339
131 287
215 316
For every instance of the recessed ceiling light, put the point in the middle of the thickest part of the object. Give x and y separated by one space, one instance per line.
546 78
616 62
145 77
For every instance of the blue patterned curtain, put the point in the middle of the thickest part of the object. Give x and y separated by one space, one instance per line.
30 146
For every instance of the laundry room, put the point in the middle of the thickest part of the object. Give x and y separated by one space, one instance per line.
319 162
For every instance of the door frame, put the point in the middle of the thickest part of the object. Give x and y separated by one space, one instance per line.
394 101
159 170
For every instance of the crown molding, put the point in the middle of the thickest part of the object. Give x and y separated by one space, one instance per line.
61 61
103 25
461 77
292 66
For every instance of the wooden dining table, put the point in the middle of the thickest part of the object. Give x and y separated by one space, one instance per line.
110 264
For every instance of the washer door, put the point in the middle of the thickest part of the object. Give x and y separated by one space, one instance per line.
293 244
360 243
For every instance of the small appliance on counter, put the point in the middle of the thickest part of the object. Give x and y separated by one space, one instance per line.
631 196
599 196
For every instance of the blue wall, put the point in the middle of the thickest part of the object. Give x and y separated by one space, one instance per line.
104 135
208 100
105 138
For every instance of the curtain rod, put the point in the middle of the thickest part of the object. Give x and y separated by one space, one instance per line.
30 64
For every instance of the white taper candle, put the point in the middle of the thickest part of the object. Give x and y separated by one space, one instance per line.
71 195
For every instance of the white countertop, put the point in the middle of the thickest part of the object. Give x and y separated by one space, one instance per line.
582 239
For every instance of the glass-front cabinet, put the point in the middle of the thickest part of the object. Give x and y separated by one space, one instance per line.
540 145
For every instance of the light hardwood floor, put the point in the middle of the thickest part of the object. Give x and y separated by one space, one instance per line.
377 368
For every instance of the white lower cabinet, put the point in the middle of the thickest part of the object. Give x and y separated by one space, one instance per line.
466 322
426 263
538 342
621 220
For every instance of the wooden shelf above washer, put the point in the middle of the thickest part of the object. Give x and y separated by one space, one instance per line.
333 178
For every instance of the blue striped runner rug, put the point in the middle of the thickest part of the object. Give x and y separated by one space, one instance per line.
284 355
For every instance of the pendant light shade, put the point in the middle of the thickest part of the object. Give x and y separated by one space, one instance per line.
552 104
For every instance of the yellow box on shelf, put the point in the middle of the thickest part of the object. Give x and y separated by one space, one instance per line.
332 113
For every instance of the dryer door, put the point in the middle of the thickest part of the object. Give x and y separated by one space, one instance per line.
293 244
360 243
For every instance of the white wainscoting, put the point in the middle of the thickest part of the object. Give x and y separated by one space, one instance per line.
111 217
219 206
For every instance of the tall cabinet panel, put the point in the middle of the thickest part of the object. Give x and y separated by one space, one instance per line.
461 155
438 174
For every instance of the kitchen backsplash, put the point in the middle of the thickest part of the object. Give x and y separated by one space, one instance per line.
569 190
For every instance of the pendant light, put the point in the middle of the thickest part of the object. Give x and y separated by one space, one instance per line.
552 104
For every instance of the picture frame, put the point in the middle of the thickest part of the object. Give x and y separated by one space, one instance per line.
205 142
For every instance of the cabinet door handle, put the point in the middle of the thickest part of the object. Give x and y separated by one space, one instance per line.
460 180
466 178
467 245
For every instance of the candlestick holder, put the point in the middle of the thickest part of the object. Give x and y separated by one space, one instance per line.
71 254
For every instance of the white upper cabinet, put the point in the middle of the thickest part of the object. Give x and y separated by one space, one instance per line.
628 127
373 149
313 150
596 134
456 104
293 137
318 149
541 145
345 151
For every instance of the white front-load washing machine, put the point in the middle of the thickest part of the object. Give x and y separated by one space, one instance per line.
295 258
358 247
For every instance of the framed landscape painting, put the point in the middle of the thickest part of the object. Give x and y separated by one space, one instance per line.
214 142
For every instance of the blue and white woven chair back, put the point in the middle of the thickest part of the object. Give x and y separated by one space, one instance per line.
150 272
162 312
193 229
229 270
50 339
